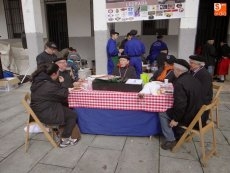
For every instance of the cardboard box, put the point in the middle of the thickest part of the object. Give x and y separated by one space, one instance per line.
8 84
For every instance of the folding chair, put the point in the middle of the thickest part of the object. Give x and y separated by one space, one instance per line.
190 132
31 115
216 90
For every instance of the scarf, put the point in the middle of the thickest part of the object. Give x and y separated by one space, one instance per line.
163 74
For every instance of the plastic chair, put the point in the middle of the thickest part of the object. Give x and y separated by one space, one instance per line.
31 115
216 90
190 132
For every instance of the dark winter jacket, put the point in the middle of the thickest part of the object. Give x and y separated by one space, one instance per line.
187 99
47 99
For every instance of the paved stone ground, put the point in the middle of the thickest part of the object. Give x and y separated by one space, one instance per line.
103 154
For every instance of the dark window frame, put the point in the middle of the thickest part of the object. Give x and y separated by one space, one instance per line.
155 27
14 18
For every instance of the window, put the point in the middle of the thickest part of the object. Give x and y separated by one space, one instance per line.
155 27
14 18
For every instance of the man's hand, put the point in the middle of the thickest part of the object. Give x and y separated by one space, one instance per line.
61 79
173 123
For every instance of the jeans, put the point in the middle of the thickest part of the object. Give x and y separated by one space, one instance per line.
166 129
211 70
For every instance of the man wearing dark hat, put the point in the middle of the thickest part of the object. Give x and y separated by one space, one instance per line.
48 55
112 51
187 102
124 70
198 70
66 77
156 48
134 48
165 72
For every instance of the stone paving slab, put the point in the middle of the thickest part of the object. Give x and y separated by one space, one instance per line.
41 168
12 141
109 142
21 162
69 156
186 151
226 135
98 160
11 112
12 124
173 165
140 155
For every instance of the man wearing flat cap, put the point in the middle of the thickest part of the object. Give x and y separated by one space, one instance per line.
198 70
187 102
134 48
66 77
48 55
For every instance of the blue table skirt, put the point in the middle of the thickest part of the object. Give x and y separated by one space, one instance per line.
118 122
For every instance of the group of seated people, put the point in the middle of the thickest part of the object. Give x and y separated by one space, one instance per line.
192 88
51 83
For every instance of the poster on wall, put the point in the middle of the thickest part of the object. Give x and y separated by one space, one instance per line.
134 10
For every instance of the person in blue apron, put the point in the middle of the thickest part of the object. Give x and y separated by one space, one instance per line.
112 51
134 48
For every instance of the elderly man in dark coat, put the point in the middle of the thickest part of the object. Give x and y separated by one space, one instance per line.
198 70
187 102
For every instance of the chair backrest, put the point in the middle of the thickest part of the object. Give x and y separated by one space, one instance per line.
30 112
217 89
204 108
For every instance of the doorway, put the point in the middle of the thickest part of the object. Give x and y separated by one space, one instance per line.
57 24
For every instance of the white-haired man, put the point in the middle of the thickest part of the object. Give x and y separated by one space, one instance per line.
198 70
187 102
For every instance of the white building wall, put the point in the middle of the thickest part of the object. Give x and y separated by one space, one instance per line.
43 12
3 28
78 16
174 25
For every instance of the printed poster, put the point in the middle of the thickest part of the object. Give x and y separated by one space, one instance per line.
135 10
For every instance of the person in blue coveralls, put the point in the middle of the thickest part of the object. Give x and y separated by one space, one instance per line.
134 48
112 51
156 48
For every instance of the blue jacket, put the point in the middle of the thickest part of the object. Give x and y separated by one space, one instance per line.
134 47
155 49
111 48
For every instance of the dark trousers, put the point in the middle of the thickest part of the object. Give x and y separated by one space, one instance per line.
70 122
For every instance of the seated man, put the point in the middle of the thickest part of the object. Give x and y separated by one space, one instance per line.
48 100
165 72
66 77
187 102
198 70
124 70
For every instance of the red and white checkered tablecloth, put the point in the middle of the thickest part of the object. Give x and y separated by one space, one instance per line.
119 101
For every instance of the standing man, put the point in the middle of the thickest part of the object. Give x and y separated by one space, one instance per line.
209 52
48 55
134 48
187 102
112 51
198 70
156 48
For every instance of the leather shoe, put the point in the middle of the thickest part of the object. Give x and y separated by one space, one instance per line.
219 80
168 145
